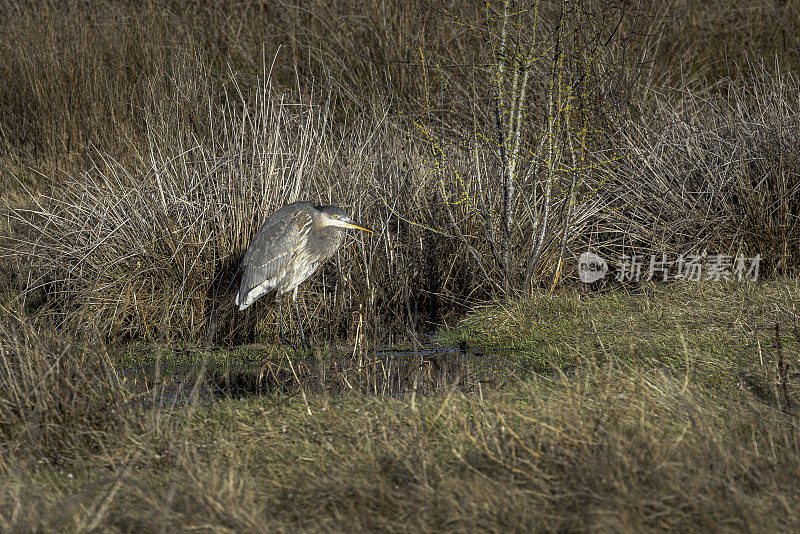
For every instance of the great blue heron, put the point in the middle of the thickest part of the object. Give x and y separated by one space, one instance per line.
287 249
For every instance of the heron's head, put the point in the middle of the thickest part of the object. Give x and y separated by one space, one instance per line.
336 216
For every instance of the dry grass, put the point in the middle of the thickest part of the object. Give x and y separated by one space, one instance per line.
620 444
143 145
130 127
730 153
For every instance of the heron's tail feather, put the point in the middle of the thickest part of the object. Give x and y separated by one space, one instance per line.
242 305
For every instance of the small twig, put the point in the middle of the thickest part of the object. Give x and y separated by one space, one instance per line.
783 368
302 389
688 362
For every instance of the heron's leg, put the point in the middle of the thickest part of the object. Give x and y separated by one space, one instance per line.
299 319
280 321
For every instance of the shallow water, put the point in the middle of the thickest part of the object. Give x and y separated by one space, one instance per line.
388 372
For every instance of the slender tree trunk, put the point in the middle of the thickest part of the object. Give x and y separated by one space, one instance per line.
502 141
554 128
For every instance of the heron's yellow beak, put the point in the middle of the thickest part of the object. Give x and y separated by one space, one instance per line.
357 227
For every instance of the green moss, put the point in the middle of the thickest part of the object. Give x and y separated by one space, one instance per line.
714 332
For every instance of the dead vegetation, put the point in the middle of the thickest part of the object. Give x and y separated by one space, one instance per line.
143 144
617 443
144 148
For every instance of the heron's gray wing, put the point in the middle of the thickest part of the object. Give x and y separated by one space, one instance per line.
272 248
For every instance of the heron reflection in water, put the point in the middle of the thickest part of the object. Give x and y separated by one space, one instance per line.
287 249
